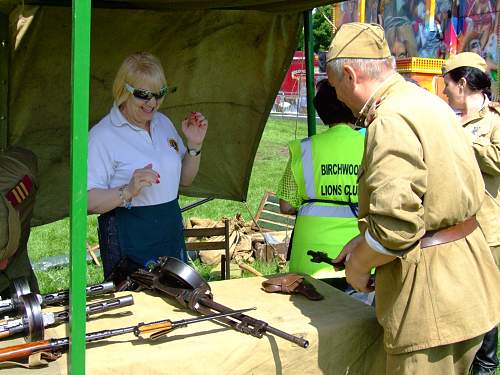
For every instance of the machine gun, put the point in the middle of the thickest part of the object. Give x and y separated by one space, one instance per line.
33 322
176 279
158 330
20 287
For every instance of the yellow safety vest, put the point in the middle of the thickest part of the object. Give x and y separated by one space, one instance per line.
325 168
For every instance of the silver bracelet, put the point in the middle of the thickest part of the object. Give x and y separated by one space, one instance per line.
127 203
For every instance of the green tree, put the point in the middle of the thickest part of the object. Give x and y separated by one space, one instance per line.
322 29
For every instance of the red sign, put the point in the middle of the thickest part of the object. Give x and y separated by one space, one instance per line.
297 72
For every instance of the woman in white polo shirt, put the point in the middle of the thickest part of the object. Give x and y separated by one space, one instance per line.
136 162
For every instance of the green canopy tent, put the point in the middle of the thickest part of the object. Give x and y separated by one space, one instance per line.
227 59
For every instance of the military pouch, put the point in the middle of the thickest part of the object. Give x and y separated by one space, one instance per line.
291 283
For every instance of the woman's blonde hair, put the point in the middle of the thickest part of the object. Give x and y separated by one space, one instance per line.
137 70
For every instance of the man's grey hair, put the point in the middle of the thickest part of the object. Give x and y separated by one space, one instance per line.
375 69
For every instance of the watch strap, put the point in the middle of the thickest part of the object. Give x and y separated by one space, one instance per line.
193 151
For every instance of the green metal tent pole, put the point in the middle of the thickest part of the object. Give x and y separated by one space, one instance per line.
308 48
80 76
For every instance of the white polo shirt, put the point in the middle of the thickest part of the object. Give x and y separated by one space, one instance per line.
117 148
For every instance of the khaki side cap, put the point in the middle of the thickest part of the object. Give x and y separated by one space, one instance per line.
463 59
359 40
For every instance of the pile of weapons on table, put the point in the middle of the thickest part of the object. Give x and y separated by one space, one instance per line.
168 276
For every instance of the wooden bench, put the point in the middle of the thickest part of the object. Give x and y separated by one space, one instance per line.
212 245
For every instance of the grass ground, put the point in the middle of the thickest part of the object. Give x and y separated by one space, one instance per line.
270 161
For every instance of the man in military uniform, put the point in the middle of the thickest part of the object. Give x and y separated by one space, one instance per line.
419 190
18 168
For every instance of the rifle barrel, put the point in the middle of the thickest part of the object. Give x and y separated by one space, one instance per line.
11 304
257 324
97 307
6 306
91 290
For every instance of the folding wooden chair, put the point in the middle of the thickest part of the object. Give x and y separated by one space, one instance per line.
269 218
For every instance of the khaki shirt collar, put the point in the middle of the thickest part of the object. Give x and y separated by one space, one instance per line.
480 113
377 95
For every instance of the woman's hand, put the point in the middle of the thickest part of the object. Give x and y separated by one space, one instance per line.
146 176
195 128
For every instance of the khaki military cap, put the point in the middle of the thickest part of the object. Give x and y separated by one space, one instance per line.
359 41
470 59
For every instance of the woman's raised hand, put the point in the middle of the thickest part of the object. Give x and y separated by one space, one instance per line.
194 127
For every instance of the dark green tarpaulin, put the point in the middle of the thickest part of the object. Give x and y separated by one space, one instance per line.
228 64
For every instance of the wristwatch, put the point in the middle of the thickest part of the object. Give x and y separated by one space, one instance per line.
193 152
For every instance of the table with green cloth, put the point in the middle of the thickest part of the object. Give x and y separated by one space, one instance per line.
343 333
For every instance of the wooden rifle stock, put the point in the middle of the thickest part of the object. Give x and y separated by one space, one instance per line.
20 351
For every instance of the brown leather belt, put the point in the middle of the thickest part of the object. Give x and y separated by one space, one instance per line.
449 234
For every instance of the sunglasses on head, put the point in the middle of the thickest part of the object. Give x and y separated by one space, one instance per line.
146 94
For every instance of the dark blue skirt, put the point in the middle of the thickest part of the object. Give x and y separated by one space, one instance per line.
142 234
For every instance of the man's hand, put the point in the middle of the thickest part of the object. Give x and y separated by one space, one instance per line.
358 276
357 273
344 255
359 260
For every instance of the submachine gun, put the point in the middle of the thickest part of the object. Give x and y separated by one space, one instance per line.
21 287
178 280
56 346
33 322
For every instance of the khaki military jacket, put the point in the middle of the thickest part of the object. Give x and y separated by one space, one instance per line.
18 169
419 174
484 129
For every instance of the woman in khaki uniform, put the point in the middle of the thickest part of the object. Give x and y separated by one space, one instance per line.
467 86
419 191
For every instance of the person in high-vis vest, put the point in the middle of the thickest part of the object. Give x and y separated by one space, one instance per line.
18 168
319 186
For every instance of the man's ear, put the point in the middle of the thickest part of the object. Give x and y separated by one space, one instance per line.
350 74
